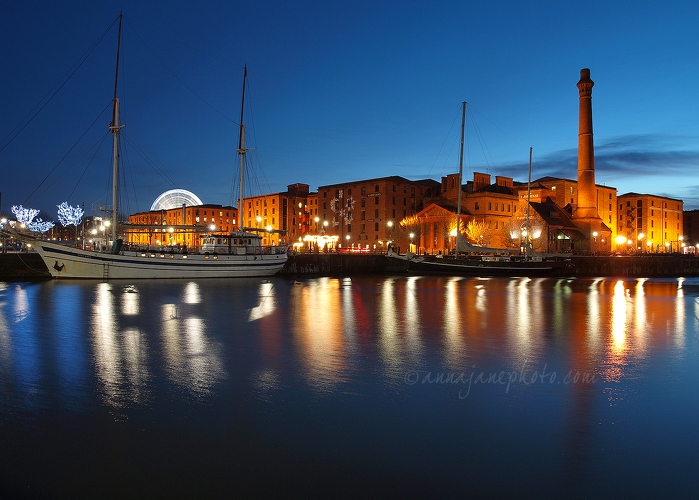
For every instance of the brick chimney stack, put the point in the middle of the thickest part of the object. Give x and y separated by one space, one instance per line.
587 193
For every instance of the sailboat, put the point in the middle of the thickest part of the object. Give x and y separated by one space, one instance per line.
233 255
474 260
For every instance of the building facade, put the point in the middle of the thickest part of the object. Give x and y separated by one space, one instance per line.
365 215
649 223
495 214
179 227
564 192
283 217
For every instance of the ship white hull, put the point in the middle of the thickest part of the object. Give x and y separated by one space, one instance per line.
67 262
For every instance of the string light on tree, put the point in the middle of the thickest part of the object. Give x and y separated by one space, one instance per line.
40 226
24 215
68 215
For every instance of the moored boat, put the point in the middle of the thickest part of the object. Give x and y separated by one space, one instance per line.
247 257
238 254
472 260
466 265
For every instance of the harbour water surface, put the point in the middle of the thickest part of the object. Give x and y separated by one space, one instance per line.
403 386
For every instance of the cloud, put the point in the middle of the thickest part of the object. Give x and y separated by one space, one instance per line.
629 156
657 164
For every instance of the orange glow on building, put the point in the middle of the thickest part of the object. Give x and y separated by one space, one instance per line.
366 215
180 226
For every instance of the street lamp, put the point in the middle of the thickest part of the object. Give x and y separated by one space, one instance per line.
107 223
620 240
3 221
390 231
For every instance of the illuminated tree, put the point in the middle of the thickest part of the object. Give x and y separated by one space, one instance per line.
412 224
475 231
24 215
68 215
40 226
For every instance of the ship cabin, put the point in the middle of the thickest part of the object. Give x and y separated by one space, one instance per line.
237 244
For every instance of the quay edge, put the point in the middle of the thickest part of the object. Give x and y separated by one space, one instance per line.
29 266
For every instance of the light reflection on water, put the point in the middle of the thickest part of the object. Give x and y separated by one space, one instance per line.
329 320
263 353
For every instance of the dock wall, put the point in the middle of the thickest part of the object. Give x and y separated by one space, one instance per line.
29 266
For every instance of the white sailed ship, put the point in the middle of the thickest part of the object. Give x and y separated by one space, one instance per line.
238 254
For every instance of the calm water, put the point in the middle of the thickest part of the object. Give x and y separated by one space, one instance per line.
400 386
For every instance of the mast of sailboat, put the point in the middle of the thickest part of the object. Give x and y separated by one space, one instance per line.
115 128
241 152
461 168
529 193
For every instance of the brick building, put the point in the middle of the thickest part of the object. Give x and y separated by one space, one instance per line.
649 223
287 215
179 226
366 214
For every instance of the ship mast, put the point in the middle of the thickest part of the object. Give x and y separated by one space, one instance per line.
241 152
529 195
115 128
461 168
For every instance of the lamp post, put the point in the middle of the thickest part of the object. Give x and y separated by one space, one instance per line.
620 240
3 221
107 223
412 235
594 241
102 228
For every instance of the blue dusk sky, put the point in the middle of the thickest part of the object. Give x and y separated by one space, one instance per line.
341 91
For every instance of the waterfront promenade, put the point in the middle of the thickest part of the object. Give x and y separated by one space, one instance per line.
24 266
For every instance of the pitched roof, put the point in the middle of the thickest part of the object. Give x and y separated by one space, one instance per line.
555 217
